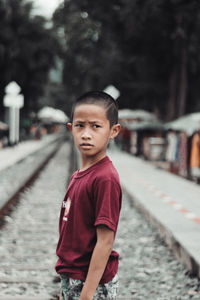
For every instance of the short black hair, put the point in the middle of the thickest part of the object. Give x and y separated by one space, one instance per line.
101 98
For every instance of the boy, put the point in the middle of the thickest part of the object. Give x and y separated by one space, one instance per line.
90 210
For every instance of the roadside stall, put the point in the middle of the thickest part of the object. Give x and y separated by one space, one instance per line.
183 147
50 120
127 116
141 134
148 139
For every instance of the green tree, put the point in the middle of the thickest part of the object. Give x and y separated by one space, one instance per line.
87 43
147 49
27 51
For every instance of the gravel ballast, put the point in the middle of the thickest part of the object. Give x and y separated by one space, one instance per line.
147 269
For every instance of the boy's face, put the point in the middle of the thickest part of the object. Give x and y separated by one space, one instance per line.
91 130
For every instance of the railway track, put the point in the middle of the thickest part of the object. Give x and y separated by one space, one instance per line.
29 234
17 178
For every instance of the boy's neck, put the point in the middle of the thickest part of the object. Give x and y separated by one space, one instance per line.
87 162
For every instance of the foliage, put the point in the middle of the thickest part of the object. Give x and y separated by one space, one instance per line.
27 51
147 49
87 44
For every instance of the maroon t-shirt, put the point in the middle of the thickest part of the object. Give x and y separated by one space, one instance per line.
93 198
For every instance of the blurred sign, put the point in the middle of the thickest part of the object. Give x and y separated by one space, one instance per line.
15 101
12 97
112 91
12 88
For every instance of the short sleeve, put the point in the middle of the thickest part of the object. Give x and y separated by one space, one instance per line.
107 196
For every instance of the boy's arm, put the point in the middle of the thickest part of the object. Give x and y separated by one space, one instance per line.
99 259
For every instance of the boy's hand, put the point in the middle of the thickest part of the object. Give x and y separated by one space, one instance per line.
85 298
60 297
99 259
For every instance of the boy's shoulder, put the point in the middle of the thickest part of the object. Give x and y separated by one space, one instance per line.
106 171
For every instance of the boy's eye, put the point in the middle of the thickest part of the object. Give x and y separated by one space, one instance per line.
78 125
96 126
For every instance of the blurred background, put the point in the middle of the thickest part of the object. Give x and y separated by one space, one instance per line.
146 54
147 50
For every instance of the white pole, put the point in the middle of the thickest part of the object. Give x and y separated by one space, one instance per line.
12 125
17 112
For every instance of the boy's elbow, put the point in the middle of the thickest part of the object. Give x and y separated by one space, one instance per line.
105 246
107 243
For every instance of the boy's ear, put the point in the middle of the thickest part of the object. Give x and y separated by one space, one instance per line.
69 126
115 130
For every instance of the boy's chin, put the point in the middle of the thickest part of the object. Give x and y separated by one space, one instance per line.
87 152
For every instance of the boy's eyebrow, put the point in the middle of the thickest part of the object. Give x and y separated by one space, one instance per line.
96 121
78 121
91 122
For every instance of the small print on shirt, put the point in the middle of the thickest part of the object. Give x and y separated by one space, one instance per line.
66 205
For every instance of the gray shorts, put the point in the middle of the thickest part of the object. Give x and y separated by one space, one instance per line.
71 289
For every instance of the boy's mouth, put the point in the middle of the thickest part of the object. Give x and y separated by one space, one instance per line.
86 145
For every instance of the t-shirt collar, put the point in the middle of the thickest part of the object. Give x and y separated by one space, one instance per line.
79 174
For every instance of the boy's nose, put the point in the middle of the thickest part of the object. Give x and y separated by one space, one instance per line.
86 134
